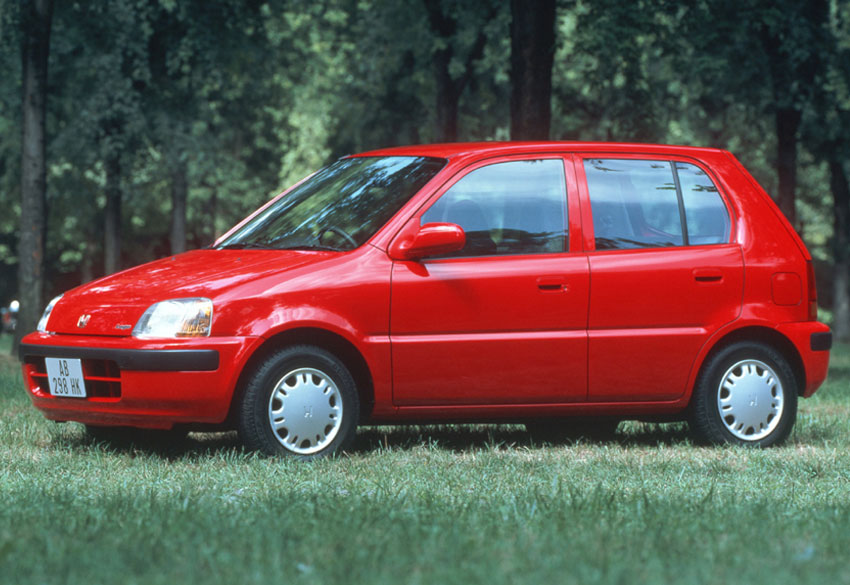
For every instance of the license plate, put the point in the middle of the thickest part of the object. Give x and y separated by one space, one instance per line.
65 377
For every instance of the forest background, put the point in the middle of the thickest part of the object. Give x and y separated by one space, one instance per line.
134 129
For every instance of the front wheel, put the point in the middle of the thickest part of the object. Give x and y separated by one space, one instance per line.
300 401
746 395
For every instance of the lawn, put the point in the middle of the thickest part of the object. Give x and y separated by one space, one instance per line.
428 505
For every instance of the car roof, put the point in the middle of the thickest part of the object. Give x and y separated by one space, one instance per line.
465 149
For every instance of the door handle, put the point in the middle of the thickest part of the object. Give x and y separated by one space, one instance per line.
552 284
708 275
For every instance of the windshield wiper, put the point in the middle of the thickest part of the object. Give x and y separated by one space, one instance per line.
310 247
245 246
271 244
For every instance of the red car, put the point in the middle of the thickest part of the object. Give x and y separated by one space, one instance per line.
546 283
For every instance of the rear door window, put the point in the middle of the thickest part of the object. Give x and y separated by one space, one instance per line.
653 204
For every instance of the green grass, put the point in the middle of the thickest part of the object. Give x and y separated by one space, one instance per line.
428 505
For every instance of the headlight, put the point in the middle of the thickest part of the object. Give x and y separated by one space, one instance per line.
42 323
176 318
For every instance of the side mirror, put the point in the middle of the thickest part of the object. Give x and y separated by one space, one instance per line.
432 239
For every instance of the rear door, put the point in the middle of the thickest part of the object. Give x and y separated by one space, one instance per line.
504 320
665 273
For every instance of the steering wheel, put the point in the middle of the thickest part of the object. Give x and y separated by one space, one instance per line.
338 231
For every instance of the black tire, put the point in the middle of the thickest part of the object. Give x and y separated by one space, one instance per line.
757 410
296 375
569 430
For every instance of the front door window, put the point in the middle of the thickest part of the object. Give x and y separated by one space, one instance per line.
516 207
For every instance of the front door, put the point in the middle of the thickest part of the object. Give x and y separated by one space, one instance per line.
504 320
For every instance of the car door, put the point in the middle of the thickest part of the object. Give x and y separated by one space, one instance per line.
502 321
665 273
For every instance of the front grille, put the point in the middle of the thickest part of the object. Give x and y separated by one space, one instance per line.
102 377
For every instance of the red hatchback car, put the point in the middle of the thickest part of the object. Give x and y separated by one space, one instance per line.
546 283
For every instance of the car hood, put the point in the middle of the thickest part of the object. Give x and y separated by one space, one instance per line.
115 303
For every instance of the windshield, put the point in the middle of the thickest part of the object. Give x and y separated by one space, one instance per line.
339 207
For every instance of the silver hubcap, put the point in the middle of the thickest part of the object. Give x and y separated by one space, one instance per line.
750 400
305 411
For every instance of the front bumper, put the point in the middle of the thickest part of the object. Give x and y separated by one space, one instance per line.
139 382
150 360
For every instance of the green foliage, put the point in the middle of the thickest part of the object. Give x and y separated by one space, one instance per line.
245 98
10 147
455 504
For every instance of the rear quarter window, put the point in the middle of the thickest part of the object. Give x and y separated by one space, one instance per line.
707 217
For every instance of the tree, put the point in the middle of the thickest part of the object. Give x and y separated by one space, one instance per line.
179 195
841 249
613 72
102 62
10 148
452 73
532 55
791 34
36 21
826 132
192 46
777 48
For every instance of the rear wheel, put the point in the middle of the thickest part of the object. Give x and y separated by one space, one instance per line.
301 401
746 395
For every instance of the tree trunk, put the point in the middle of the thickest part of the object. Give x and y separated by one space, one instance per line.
213 209
112 217
447 98
532 55
179 195
447 95
787 124
87 267
841 250
36 19
450 89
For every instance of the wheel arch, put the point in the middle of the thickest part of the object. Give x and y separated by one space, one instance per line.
767 336
335 343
